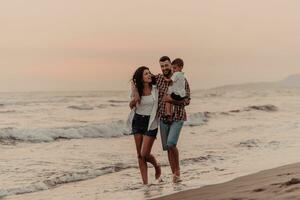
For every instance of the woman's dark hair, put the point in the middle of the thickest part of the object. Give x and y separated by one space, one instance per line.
137 79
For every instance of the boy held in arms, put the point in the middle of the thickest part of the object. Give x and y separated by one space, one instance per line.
177 88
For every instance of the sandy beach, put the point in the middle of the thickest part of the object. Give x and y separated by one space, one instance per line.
279 183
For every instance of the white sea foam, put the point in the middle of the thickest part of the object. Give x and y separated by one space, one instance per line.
196 119
64 178
104 130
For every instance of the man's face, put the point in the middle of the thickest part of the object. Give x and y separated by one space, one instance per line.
166 68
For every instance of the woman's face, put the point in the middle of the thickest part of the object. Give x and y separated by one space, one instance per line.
147 76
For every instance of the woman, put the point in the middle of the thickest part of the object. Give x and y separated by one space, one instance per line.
142 121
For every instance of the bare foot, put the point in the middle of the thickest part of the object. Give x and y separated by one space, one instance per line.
157 171
176 179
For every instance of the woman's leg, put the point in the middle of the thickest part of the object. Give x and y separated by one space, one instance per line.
146 154
151 159
138 138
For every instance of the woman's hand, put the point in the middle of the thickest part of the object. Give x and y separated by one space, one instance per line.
134 102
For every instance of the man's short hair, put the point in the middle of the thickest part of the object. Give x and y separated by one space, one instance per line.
164 58
178 62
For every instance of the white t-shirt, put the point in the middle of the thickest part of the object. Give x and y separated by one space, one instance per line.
178 86
145 108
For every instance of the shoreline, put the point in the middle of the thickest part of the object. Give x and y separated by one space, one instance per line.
279 183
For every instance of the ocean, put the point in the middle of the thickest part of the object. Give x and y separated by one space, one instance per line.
72 145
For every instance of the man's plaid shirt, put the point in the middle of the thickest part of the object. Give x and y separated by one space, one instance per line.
178 110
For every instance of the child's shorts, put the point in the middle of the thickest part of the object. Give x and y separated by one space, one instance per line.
177 97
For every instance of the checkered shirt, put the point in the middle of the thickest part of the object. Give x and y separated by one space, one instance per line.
178 110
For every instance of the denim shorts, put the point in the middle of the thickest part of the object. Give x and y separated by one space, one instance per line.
170 133
140 125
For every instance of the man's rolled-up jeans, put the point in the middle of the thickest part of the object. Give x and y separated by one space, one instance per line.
170 133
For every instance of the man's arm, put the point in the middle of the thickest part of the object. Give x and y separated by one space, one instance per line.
188 94
184 102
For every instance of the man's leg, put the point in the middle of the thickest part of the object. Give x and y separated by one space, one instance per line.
174 160
171 161
164 132
173 137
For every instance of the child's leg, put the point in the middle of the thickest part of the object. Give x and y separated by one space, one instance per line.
168 109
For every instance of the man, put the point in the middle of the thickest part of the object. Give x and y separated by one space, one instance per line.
170 131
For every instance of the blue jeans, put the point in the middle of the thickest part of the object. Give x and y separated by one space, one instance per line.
170 133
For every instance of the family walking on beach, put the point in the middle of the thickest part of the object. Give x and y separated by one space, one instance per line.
158 100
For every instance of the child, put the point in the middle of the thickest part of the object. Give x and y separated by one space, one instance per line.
177 88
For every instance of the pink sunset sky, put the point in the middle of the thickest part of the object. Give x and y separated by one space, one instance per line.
96 45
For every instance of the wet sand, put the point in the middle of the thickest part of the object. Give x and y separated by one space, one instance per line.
281 183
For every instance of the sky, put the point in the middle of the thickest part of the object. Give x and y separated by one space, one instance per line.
97 45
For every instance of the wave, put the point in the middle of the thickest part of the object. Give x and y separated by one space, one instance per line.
206 158
84 175
73 96
104 130
81 107
10 135
71 177
7 111
250 143
64 178
267 108
255 143
201 118
88 107
102 106
117 101
197 119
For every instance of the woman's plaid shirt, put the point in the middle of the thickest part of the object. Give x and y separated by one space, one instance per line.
178 110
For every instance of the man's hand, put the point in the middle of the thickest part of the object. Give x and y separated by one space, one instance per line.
184 102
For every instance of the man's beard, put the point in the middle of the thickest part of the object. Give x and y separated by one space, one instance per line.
167 72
